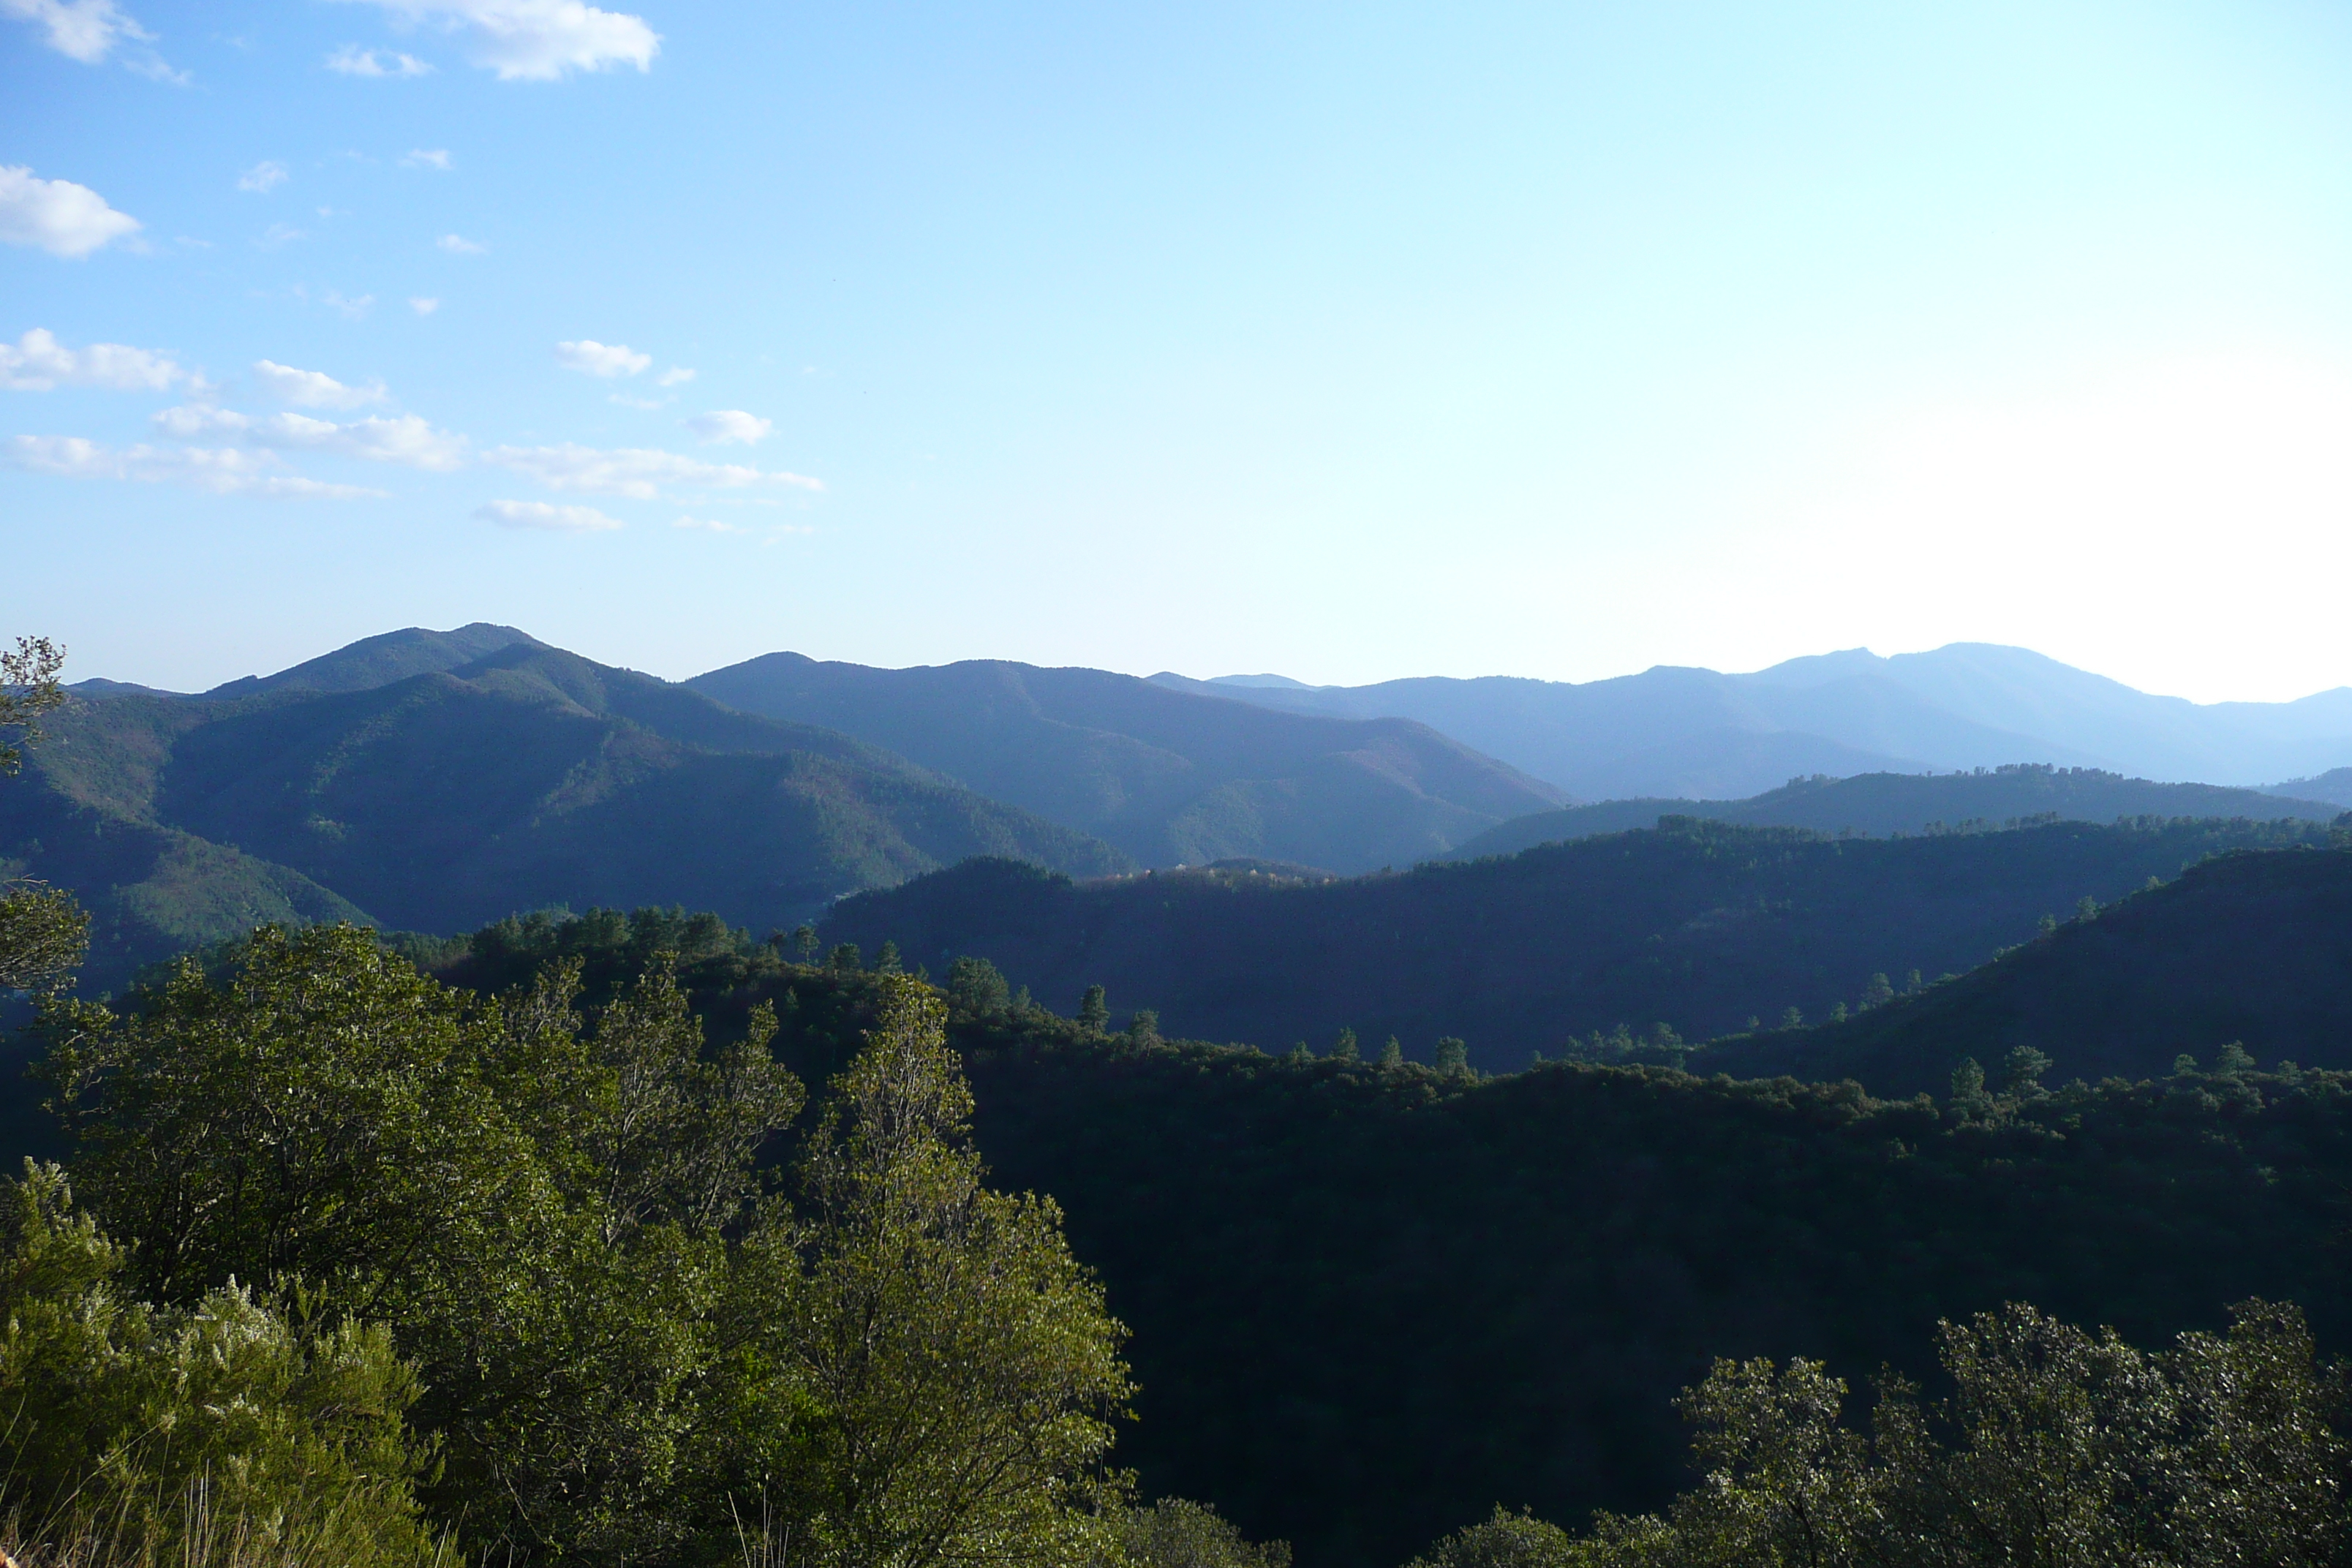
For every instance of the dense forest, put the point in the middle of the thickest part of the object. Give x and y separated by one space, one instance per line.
627 1237
1705 928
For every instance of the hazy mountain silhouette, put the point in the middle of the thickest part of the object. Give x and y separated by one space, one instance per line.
1171 778
381 660
1671 731
1913 803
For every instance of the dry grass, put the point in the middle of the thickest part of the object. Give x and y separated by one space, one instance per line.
194 1533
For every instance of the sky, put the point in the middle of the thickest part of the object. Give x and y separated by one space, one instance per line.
1347 342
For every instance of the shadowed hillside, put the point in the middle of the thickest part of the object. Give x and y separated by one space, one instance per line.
1701 926
1913 803
2255 948
1171 778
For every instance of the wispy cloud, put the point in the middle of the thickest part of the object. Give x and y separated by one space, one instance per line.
59 216
312 388
711 525
536 40
263 177
722 425
423 305
541 515
457 245
632 470
86 30
279 234
426 158
592 358
405 439
676 376
224 471
37 361
353 60
351 309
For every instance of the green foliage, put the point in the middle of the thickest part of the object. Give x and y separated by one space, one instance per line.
975 990
2066 1448
29 688
43 936
1094 1010
1175 1532
1451 1058
1344 1049
1507 1540
159 1430
960 1366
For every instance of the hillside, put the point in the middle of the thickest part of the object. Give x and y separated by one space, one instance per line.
383 660
1169 778
2255 948
525 778
1913 803
1701 926
1670 732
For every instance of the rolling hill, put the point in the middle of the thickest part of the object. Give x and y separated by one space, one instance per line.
526 777
2255 948
1672 732
1912 802
1702 926
1171 778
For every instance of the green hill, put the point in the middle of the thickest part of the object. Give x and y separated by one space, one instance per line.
2255 948
383 660
1169 777
1912 802
1701 926
525 778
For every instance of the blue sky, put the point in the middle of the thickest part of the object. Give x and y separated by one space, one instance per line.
1347 342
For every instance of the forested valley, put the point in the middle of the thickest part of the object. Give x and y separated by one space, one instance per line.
637 1235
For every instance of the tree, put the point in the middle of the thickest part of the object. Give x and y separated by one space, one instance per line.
1507 1540
1143 1029
1969 1099
886 962
1878 993
1175 1532
1094 1011
845 957
1391 1054
1452 1057
29 688
1344 1049
959 1368
976 990
804 943
2023 1068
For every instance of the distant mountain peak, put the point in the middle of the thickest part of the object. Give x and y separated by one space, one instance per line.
1263 682
384 658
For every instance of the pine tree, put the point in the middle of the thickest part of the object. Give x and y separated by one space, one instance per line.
1452 1057
1343 1049
1094 1011
1391 1054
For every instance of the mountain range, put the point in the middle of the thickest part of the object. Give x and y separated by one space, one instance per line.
1708 928
1675 731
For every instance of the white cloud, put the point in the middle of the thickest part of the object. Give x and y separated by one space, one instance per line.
536 40
631 471
223 470
721 425
353 60
540 514
457 245
85 30
422 305
351 309
592 358
406 439
711 525
312 388
676 376
61 218
263 177
37 361
279 234
426 158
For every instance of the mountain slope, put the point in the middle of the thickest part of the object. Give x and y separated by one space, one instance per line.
1673 731
383 660
1913 803
2250 948
524 778
1171 778
1699 925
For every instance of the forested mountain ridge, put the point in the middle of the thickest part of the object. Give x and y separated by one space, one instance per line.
1171 778
1698 925
1913 803
1671 731
522 778
2252 950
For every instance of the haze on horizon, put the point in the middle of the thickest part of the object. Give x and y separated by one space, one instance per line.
1345 342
